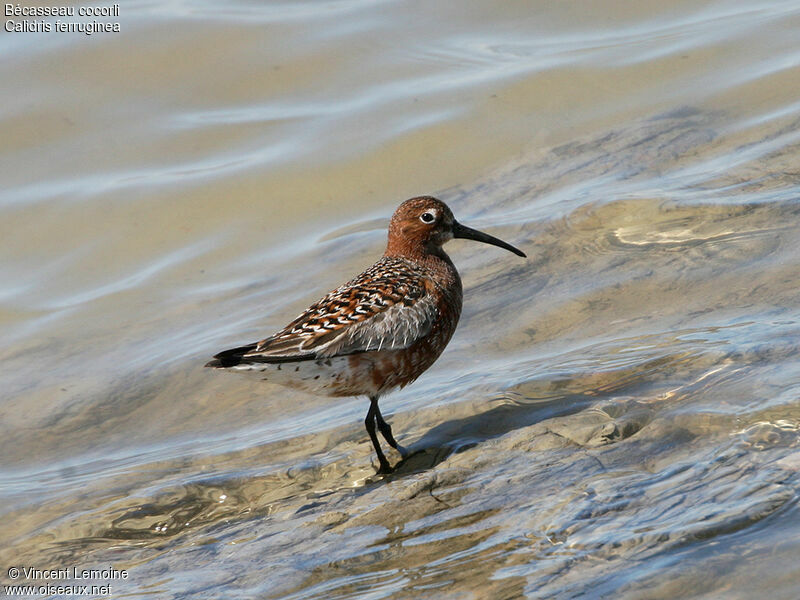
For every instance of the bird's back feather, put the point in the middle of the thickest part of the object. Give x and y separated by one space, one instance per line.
387 307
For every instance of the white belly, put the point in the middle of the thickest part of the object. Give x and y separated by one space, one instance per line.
327 377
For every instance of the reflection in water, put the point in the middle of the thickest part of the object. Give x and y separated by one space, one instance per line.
617 417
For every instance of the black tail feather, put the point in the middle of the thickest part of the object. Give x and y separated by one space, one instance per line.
230 358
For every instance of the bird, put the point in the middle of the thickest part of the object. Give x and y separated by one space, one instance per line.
379 331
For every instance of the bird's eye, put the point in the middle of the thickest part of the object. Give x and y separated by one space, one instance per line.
427 217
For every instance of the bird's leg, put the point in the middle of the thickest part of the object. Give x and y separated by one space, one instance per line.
370 423
386 429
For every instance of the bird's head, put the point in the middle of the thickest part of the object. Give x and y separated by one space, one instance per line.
421 225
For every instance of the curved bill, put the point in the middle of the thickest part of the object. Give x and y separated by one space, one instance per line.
467 233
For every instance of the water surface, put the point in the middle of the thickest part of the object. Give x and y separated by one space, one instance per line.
617 415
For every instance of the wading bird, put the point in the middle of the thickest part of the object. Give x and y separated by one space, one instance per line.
380 330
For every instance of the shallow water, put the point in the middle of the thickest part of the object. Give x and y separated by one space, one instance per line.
617 415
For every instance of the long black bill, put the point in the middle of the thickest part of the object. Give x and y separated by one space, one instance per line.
467 233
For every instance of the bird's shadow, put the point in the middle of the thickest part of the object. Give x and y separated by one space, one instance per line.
458 435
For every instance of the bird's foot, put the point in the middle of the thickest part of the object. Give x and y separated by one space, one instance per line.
385 468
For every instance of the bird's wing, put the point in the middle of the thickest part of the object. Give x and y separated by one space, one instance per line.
387 307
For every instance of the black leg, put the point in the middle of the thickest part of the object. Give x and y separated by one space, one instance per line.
386 429
370 423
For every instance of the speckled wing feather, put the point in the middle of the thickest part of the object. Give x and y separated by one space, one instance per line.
387 307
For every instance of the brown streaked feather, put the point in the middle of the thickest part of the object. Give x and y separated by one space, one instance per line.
387 307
